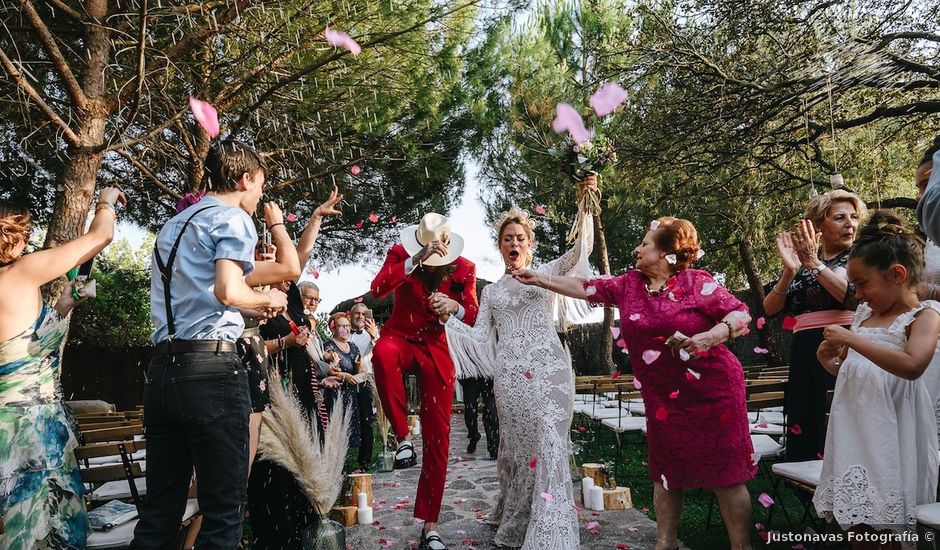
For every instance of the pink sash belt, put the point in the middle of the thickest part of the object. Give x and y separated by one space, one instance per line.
821 319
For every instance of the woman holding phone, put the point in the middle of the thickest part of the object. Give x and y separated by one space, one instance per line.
41 493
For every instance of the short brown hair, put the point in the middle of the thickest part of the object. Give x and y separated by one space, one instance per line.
227 161
679 237
15 223
337 316
818 207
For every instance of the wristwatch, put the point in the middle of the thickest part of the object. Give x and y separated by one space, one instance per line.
818 269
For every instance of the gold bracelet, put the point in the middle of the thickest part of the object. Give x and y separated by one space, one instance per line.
106 205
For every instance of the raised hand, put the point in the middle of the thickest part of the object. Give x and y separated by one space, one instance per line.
589 183
791 260
272 214
806 243
430 249
328 207
112 196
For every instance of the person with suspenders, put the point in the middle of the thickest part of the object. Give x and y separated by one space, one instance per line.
196 396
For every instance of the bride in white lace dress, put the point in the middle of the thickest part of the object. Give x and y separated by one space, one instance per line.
514 342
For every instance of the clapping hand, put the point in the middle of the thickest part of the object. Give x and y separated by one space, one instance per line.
791 260
806 243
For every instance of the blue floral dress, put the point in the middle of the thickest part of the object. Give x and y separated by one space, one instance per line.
41 493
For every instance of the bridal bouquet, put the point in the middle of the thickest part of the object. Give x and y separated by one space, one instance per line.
583 159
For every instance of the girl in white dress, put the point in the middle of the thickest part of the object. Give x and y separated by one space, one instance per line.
515 342
880 460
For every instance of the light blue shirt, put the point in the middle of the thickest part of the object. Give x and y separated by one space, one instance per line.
928 209
221 232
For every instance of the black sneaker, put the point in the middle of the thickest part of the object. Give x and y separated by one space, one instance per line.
405 457
431 541
472 446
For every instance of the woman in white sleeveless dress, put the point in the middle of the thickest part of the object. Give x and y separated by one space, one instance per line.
515 342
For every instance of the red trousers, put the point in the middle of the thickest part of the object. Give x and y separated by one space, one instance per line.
392 358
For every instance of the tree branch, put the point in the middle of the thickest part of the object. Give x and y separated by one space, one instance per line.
24 85
895 202
55 55
149 175
74 14
142 138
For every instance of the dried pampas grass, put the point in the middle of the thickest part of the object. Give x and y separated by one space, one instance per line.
381 421
289 439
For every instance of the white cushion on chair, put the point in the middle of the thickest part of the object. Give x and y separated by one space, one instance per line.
635 408
583 407
601 413
765 446
807 472
929 515
769 429
116 459
770 417
625 424
116 490
122 535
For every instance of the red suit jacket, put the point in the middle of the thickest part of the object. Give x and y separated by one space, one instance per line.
411 317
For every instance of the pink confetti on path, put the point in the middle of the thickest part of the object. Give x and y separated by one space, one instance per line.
607 99
568 120
592 527
205 115
339 39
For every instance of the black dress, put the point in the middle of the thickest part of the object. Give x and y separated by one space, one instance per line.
806 404
348 393
278 509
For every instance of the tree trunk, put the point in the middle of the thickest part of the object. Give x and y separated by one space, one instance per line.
757 290
607 338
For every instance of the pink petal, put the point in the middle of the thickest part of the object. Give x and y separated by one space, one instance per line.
622 344
788 323
527 374
616 375
592 527
547 496
615 332
665 483
358 300
662 414
674 395
684 355
354 170
650 355
533 463
632 529
691 373
637 384
607 99
461 532
373 217
359 224
206 116
760 425
761 350
759 526
540 209
709 288
766 500
292 217
459 501
635 317
590 291
761 322
339 39
394 219
568 120
796 429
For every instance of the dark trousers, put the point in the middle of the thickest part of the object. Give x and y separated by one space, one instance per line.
807 402
473 390
366 421
196 408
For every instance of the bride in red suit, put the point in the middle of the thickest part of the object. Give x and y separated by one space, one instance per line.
426 262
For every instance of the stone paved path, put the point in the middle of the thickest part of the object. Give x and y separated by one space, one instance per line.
471 492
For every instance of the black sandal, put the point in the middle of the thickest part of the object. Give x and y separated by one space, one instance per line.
431 538
407 462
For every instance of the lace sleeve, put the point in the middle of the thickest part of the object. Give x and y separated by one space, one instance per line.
573 263
473 349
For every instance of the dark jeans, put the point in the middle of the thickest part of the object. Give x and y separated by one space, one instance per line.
366 421
196 408
473 390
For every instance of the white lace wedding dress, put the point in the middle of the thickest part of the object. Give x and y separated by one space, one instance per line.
880 460
514 342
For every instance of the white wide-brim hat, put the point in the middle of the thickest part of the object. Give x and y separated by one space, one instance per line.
433 227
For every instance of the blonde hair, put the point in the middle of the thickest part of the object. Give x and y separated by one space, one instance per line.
15 224
516 215
818 207
679 237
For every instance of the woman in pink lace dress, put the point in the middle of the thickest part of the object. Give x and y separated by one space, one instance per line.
694 395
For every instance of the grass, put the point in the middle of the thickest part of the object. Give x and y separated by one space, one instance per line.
598 444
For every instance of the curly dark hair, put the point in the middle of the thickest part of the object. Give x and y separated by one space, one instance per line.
886 240
15 223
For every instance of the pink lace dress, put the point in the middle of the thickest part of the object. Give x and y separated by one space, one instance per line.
696 410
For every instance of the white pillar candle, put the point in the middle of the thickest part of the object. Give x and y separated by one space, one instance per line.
587 483
364 515
597 498
362 500
416 429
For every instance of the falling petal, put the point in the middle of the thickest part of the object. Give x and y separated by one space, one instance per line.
760 322
755 458
359 224
671 259
674 395
662 414
590 291
650 355
693 374
533 463
665 483
637 384
615 375
607 99
339 39
621 343
528 374
796 429
540 209
766 500
635 317
547 496
394 219
761 351
568 119
581 429
292 217
373 217
684 355
205 115
354 170
654 225
699 254
788 323
709 288
759 526
615 332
